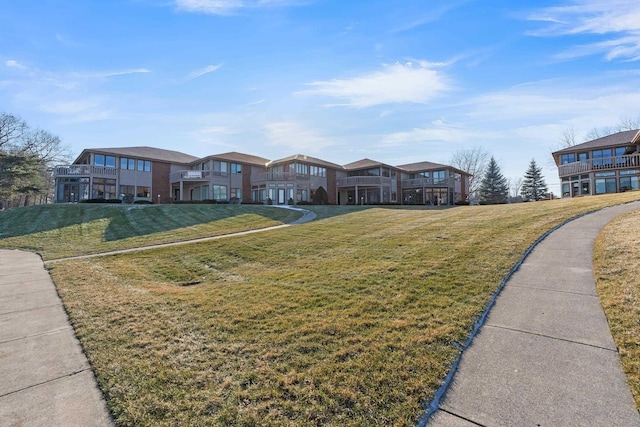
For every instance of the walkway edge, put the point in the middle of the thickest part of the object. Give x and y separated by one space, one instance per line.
434 405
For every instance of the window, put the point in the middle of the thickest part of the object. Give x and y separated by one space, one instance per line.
605 185
236 192
299 168
129 164
102 160
567 158
143 191
601 157
439 177
219 168
236 168
127 190
103 188
220 192
317 171
144 166
583 157
629 183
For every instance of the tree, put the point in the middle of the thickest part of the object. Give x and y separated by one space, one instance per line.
472 161
25 158
568 138
515 186
533 186
320 196
493 188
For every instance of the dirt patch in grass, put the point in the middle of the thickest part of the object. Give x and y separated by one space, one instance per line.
617 273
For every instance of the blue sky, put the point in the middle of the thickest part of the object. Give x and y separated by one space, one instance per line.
396 81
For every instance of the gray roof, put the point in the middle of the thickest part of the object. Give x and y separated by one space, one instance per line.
623 138
366 163
429 166
147 153
234 156
306 159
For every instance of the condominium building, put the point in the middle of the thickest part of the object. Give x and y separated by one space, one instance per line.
165 176
605 165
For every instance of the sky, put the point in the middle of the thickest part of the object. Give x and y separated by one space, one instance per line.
396 81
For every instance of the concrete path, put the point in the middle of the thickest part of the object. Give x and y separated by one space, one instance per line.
545 355
45 379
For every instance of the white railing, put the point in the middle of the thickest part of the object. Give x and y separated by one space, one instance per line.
605 163
426 182
352 181
279 176
84 170
190 175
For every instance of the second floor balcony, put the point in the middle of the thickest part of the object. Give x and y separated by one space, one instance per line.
427 182
600 164
190 175
84 170
352 181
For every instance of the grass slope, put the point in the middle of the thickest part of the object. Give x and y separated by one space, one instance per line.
617 274
349 320
57 231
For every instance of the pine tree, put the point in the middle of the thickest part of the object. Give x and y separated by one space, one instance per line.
533 186
494 188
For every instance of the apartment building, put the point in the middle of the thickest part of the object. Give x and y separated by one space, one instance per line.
605 165
164 176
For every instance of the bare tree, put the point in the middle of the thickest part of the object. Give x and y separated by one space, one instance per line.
568 137
515 185
474 162
12 129
629 123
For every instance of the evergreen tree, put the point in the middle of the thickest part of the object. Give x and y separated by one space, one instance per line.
494 188
533 186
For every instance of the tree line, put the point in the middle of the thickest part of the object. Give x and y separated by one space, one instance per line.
487 185
27 157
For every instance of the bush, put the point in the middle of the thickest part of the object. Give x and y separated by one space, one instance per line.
101 200
320 196
143 202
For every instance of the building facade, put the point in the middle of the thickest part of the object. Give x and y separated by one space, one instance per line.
164 176
605 165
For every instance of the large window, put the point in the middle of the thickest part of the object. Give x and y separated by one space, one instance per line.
220 192
317 171
300 168
605 185
601 157
236 192
439 177
103 188
102 160
629 183
143 191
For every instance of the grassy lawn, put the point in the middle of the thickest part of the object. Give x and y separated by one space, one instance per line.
347 320
617 273
57 231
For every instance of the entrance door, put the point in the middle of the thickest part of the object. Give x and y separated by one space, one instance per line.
281 199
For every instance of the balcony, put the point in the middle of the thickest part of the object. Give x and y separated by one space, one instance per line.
84 170
364 181
602 164
279 176
190 175
427 182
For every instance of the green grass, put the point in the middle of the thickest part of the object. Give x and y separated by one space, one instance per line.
57 231
348 320
617 274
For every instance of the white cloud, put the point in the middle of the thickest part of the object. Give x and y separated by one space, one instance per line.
296 137
227 7
12 63
206 70
620 18
411 82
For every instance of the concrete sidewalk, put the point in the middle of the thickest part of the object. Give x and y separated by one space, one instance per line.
45 379
545 355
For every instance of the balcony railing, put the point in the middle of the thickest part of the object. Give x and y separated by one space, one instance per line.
427 182
352 181
605 163
190 175
84 170
279 176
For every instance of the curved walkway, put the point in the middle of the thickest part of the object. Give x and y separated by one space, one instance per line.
545 355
